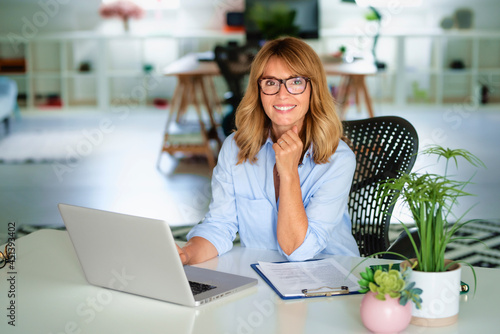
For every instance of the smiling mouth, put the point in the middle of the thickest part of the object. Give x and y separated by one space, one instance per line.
280 108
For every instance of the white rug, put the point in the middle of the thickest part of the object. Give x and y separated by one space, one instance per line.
42 147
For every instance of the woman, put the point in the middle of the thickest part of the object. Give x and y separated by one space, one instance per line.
283 178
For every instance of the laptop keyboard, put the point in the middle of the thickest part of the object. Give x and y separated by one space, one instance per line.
198 288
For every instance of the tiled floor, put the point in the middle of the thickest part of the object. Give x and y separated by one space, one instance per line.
120 174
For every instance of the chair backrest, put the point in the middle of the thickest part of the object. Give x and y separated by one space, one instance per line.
385 147
234 64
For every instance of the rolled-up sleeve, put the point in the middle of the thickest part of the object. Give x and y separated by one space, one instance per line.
329 224
220 224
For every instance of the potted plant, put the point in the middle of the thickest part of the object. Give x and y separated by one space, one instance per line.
385 307
431 199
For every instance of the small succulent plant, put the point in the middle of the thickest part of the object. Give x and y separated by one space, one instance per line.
390 282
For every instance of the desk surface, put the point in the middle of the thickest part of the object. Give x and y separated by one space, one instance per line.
359 67
189 65
54 297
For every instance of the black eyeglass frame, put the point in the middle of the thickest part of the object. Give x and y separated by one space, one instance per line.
283 82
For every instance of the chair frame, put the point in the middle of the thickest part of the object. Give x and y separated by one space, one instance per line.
234 63
385 147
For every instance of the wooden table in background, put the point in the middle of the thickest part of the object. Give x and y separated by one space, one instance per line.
352 82
194 79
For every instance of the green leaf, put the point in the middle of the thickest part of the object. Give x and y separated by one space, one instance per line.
394 294
365 290
363 282
430 198
369 273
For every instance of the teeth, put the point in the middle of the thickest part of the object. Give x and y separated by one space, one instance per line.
284 108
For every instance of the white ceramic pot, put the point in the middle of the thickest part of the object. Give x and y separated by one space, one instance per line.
440 297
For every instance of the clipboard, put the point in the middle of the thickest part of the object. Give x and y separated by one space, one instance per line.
324 291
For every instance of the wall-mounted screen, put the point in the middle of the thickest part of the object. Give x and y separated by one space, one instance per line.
267 19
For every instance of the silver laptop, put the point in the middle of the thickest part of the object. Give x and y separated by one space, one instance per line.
138 255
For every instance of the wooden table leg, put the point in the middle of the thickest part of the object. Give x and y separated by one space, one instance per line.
212 133
368 99
344 99
174 111
185 99
208 150
356 83
176 98
204 95
341 91
187 93
213 92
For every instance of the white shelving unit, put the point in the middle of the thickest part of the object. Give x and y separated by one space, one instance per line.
417 70
117 73
418 64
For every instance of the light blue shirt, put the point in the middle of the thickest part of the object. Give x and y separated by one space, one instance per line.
244 201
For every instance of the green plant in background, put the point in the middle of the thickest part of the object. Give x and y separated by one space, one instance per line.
431 199
274 21
390 282
419 94
372 16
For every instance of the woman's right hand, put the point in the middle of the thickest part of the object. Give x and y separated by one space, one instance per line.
196 250
288 149
182 255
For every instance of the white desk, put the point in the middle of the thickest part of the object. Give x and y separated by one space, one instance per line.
53 297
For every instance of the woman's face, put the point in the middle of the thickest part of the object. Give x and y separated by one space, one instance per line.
284 109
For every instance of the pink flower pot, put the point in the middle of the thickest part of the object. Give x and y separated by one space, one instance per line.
384 316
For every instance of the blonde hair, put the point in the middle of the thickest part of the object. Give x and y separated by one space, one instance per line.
322 127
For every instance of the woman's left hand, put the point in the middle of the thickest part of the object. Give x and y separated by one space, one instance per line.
288 149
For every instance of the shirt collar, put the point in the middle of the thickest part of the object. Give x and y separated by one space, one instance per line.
308 156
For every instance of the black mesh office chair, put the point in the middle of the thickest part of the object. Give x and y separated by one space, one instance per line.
234 64
384 147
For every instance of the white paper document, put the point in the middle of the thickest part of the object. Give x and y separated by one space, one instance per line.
290 278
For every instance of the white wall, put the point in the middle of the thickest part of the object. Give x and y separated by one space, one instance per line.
35 17
336 14
67 15
48 15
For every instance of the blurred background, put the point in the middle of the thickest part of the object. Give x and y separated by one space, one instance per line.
87 87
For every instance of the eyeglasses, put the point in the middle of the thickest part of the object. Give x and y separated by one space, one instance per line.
6 257
272 86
